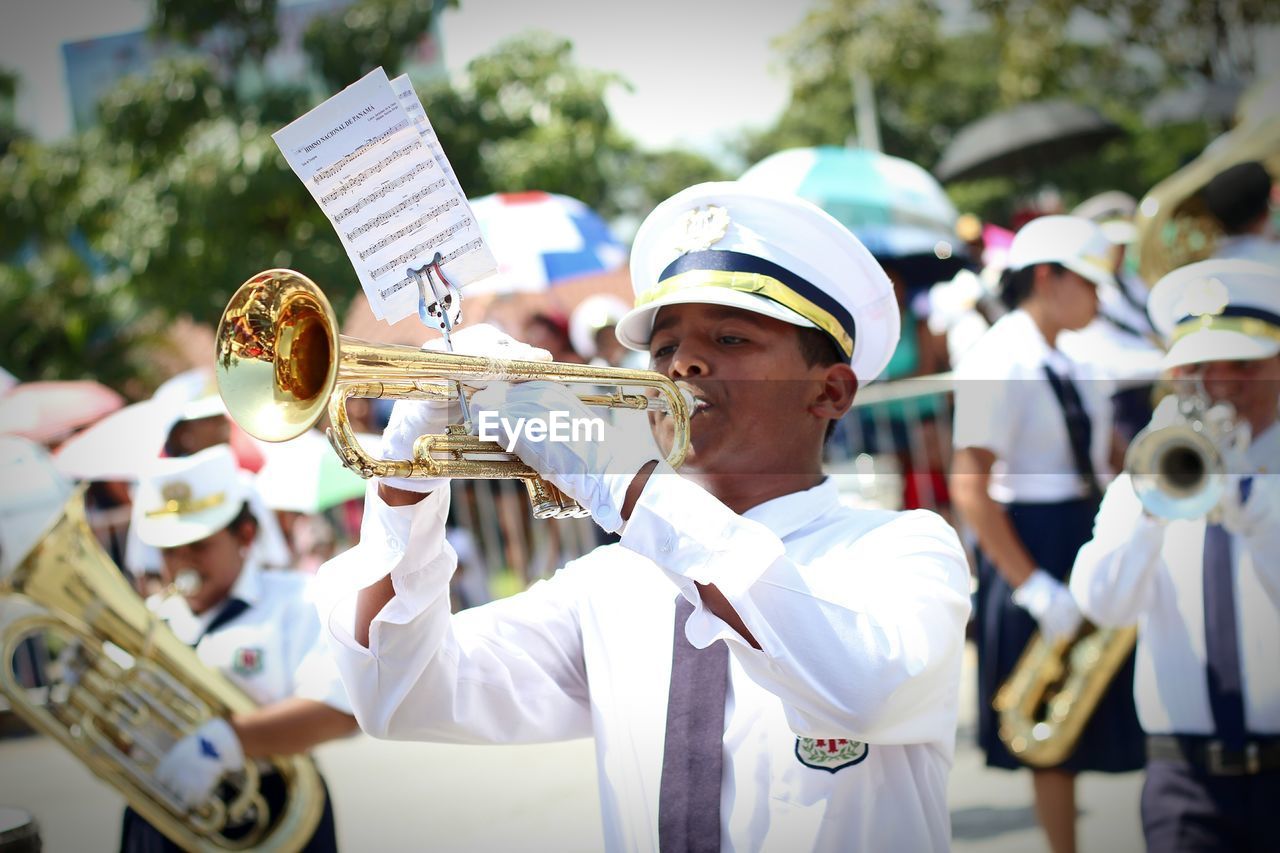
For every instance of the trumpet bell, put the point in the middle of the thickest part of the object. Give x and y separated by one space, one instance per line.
1176 471
280 364
277 355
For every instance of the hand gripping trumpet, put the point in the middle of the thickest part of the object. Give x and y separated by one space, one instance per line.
280 363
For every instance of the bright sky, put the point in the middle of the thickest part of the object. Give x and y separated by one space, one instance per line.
700 69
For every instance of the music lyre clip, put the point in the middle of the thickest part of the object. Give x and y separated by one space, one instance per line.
442 311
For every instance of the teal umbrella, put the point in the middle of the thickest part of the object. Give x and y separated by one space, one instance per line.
305 475
896 208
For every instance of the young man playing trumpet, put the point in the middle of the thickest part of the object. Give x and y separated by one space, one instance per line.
761 667
1205 592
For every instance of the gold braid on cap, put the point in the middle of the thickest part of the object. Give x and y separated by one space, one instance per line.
178 501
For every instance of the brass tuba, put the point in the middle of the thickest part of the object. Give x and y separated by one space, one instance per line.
280 363
121 689
1174 227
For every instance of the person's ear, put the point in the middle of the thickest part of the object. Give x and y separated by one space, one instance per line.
1041 280
835 393
245 533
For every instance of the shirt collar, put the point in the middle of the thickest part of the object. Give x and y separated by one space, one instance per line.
786 514
1035 347
248 586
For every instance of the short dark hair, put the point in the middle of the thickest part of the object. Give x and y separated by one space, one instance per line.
243 517
1237 197
1016 285
818 349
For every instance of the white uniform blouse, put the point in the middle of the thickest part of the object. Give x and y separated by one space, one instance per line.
274 649
1135 571
1005 404
839 733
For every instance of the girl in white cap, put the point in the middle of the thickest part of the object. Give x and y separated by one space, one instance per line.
1032 438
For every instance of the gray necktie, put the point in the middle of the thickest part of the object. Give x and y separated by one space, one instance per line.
693 758
1222 651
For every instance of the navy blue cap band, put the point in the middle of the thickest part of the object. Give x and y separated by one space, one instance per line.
729 261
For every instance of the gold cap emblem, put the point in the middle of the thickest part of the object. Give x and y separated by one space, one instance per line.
1207 296
176 492
701 228
178 500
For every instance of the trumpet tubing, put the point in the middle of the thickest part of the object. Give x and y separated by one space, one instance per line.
280 364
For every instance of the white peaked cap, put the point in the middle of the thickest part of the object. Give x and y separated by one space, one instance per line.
726 243
189 498
1218 310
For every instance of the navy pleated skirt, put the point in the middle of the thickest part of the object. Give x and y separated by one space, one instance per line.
1113 741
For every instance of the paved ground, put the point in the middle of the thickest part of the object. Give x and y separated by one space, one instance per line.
393 797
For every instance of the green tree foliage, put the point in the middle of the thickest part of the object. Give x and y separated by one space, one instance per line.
369 33
179 194
526 117
61 314
245 29
931 78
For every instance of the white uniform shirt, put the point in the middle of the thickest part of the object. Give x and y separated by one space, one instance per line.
860 615
1249 247
1005 404
1135 571
274 649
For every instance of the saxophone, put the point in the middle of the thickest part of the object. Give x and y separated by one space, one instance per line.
120 689
1049 697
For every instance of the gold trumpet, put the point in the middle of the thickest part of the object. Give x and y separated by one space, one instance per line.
280 363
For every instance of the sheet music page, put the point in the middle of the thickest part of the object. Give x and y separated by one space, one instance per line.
413 106
364 160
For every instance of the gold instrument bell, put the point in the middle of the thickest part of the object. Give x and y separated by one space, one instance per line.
280 364
117 688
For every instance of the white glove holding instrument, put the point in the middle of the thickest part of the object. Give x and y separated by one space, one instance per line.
191 769
1250 501
594 472
1049 601
413 418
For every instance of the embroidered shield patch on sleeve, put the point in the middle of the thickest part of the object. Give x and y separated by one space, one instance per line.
830 754
247 660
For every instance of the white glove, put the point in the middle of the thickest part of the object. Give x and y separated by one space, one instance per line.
1261 511
1048 600
192 768
413 418
594 472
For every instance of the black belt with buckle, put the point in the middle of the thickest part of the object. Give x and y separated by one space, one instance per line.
1259 755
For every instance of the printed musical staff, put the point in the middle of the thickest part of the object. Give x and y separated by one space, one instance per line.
425 246
367 157
336 169
389 214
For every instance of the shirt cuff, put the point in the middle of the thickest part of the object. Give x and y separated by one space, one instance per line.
395 540
696 539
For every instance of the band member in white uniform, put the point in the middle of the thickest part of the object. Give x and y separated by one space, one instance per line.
1032 439
1205 592
762 668
256 627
